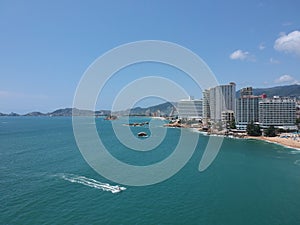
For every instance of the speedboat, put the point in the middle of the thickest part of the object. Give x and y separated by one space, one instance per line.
114 191
119 188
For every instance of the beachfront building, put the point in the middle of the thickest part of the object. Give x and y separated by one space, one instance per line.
227 117
246 108
221 98
206 107
247 111
189 108
298 109
278 111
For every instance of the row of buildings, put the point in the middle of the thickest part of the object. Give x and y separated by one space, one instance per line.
219 104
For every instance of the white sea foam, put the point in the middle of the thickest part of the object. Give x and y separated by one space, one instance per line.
297 162
294 152
195 130
91 183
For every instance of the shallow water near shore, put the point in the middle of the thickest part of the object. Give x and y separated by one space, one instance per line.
45 180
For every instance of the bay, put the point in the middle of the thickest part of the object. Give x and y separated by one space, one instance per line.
250 182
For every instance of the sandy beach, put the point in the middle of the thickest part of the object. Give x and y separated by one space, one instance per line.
292 141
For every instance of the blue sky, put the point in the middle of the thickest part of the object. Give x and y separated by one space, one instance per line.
46 46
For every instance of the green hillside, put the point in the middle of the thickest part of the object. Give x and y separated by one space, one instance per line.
287 91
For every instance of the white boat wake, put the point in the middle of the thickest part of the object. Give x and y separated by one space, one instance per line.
92 183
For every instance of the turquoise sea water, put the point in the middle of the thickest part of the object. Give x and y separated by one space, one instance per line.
45 180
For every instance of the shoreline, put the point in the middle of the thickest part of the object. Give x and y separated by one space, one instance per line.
285 142
290 142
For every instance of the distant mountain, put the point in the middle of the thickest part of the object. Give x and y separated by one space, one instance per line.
35 114
103 113
165 109
287 91
69 111
10 114
78 112
64 112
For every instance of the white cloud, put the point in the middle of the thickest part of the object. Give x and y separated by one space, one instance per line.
261 46
239 54
274 61
289 43
286 79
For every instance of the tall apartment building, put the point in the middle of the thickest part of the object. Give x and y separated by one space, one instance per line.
189 108
279 112
205 106
246 108
246 91
220 98
247 111
227 116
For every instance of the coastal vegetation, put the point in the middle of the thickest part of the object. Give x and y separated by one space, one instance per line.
298 121
253 129
232 124
270 131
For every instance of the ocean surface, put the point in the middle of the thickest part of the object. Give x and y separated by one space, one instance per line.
45 180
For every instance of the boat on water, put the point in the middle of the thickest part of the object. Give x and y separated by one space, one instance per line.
117 189
137 124
142 134
114 189
111 117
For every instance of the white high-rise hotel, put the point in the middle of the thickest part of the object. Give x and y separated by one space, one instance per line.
219 104
217 100
246 108
190 108
279 112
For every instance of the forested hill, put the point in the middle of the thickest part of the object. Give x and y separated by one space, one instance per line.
288 91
